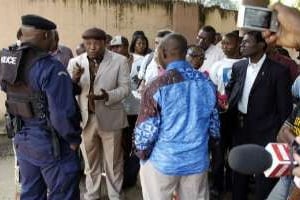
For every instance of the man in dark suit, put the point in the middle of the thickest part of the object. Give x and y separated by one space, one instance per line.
260 100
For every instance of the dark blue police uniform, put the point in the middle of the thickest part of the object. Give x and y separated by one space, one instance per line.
49 168
38 166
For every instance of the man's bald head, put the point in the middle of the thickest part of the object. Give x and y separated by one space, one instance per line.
175 45
172 47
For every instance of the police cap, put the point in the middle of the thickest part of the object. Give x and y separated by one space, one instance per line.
38 22
94 33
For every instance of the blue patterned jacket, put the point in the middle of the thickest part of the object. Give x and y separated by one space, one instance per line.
178 115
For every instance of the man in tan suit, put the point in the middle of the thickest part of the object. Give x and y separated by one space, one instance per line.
103 77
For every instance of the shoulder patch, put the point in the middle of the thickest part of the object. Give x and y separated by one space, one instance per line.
62 73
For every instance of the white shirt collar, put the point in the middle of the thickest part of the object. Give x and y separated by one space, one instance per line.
259 63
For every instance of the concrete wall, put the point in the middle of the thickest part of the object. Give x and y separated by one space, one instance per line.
223 21
74 16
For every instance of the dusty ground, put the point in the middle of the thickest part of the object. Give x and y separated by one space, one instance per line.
7 188
7 184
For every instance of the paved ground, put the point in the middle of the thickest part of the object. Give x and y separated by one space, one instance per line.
7 185
7 188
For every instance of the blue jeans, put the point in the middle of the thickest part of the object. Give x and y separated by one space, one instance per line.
281 189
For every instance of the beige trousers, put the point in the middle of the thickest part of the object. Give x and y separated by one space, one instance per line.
102 149
157 186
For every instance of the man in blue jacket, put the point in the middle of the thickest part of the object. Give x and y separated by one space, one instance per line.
43 113
178 115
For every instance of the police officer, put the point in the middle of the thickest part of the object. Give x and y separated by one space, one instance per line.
43 111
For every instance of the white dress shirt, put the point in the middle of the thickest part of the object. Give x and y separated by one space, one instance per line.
148 72
252 71
151 72
212 55
131 103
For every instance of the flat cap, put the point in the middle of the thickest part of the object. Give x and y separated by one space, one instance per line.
94 33
38 22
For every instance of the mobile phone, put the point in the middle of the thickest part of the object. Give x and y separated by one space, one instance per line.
257 18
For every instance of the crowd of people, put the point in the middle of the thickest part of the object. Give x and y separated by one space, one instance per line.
170 114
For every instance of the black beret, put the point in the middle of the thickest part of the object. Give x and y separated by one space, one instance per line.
94 33
38 22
